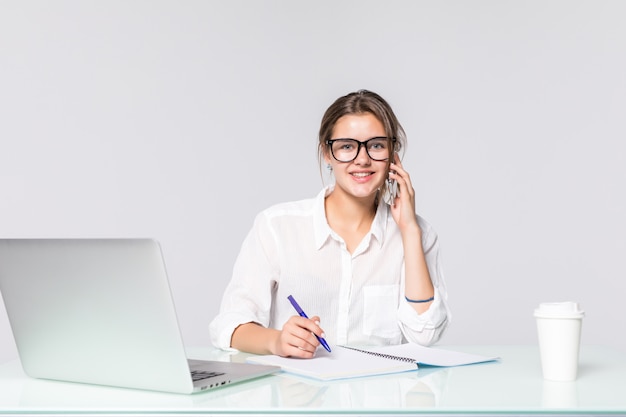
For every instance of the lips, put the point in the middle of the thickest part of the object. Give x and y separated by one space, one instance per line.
362 177
361 174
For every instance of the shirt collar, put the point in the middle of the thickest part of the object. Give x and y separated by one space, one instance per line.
323 231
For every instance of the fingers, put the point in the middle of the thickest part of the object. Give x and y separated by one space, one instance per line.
298 339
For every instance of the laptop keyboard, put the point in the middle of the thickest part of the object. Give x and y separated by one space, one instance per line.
198 375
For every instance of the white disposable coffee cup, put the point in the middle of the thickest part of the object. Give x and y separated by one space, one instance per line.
558 328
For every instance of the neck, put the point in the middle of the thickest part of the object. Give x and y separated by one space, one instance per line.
349 212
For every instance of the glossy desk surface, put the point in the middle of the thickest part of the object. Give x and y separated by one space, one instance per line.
513 385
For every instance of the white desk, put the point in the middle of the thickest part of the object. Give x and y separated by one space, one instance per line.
512 386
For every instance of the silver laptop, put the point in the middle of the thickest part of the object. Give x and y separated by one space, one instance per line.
100 311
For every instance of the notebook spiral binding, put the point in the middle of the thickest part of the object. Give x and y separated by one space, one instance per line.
382 355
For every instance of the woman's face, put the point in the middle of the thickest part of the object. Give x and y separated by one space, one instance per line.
363 176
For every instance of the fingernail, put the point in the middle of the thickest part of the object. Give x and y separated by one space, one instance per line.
323 336
317 322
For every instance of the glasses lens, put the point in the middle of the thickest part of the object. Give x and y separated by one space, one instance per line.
345 150
378 148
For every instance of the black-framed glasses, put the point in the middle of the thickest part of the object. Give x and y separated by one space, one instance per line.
378 148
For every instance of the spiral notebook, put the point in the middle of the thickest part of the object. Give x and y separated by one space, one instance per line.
351 362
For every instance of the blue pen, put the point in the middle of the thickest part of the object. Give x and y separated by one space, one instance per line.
301 312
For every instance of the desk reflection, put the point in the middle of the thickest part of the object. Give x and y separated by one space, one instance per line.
557 394
423 388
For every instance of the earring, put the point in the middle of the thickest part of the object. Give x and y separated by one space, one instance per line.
329 167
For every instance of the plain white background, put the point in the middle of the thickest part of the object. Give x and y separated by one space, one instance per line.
180 120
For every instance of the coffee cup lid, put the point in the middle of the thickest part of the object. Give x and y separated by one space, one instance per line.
562 310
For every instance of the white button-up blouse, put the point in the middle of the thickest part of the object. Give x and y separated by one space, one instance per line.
359 297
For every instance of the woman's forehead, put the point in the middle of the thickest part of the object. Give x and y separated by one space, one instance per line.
358 126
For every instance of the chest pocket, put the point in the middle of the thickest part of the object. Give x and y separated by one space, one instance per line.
380 311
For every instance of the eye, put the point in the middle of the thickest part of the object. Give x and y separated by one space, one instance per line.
378 145
344 145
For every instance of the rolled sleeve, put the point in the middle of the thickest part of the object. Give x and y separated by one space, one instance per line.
424 329
222 328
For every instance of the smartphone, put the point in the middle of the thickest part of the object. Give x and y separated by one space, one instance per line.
392 186
392 192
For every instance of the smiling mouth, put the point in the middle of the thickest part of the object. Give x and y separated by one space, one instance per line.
361 174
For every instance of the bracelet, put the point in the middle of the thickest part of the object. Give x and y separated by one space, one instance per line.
419 301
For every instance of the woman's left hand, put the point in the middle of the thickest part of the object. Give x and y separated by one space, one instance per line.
403 207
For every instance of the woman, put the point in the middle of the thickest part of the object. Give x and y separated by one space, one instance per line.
368 270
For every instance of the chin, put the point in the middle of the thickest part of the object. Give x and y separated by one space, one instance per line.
359 190
360 193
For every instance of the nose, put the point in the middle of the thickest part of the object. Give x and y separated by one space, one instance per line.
362 157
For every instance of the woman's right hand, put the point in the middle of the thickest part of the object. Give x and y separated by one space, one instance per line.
297 337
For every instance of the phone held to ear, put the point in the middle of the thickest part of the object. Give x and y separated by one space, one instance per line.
391 192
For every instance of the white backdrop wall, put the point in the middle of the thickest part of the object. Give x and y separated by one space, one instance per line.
180 120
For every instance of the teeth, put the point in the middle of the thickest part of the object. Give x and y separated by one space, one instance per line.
360 174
